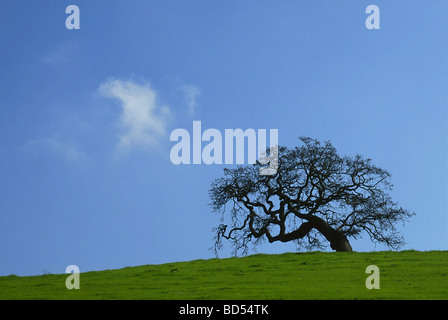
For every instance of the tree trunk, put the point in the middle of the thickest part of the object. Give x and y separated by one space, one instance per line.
338 241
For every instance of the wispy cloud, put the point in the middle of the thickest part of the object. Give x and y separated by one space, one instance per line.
144 121
68 151
191 93
60 54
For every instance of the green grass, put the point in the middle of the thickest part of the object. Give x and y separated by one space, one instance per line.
313 275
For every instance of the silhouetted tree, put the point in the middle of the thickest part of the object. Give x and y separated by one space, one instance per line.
315 195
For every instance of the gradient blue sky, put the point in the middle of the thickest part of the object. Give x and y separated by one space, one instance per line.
85 116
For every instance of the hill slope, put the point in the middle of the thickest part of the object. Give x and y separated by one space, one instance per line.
313 275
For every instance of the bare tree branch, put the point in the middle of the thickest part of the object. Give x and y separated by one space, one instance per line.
329 197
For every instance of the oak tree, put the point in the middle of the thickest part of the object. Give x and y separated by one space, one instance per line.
315 197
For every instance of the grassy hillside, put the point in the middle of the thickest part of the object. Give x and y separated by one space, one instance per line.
314 275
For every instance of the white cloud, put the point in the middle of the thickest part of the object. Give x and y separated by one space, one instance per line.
143 119
191 93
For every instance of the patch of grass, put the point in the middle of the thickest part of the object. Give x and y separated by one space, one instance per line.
291 276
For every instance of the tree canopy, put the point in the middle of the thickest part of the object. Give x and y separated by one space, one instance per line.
316 197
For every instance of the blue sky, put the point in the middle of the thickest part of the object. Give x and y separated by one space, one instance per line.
86 115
